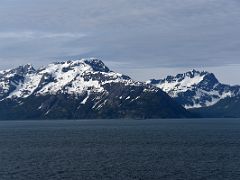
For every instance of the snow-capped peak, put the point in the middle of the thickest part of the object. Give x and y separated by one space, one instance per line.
21 70
180 82
91 63
96 64
194 88
71 77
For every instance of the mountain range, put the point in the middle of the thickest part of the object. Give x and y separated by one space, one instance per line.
202 93
81 89
88 89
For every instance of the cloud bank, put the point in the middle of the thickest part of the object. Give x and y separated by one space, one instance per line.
147 35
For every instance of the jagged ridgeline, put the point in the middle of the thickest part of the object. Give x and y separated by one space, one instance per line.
202 93
80 89
195 89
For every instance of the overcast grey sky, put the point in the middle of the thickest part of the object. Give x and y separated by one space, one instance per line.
142 38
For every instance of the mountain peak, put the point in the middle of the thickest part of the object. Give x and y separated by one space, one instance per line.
194 73
71 77
28 68
195 88
20 70
96 64
188 78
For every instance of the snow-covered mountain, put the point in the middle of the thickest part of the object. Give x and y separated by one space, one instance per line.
195 89
70 77
80 89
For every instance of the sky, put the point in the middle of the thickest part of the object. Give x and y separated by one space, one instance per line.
144 39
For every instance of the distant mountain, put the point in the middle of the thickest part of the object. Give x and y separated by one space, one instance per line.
195 89
80 89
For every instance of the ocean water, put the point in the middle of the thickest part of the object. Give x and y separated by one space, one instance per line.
120 149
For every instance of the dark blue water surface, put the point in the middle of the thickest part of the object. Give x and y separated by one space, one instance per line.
120 149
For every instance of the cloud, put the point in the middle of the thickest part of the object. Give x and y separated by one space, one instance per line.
136 34
38 35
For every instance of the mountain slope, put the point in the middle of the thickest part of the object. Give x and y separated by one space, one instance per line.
195 89
228 107
80 89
